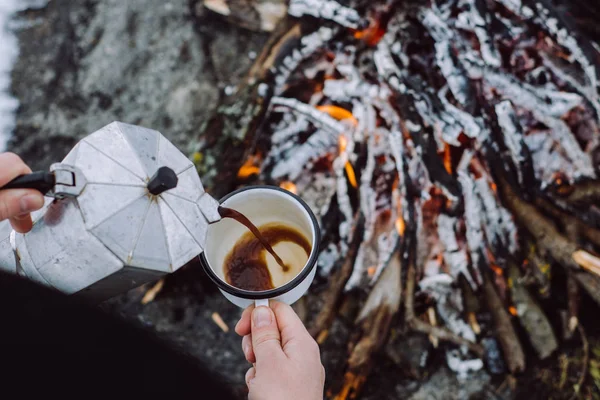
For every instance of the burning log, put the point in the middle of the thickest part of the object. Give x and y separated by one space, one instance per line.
450 123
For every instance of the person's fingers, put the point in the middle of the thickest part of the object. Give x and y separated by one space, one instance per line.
19 202
266 340
291 327
250 374
248 350
22 223
243 326
11 166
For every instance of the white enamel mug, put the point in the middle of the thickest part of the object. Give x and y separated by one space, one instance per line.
261 205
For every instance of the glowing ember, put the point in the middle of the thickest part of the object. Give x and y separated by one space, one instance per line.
512 310
250 167
371 271
447 158
343 143
496 269
338 113
289 186
351 175
372 35
400 226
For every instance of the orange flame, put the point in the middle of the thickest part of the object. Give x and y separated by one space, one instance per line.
512 310
343 143
494 187
496 269
250 167
351 175
447 158
400 226
338 113
371 35
289 186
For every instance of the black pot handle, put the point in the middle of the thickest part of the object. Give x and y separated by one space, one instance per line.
41 180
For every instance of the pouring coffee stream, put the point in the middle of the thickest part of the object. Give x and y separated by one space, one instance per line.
242 219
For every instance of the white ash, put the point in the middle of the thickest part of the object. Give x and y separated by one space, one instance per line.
455 258
317 190
292 129
543 101
448 303
498 224
512 134
325 9
444 37
343 201
566 39
298 158
309 44
367 193
386 66
562 134
471 126
473 20
327 260
512 5
315 116
547 159
346 89
589 92
463 366
473 211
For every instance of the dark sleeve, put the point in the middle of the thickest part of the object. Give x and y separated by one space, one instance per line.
52 344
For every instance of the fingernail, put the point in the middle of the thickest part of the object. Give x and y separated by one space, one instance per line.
262 317
246 350
30 203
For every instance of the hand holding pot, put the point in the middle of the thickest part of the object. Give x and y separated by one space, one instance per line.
16 204
286 359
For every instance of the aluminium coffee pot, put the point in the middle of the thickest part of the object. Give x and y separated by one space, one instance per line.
123 208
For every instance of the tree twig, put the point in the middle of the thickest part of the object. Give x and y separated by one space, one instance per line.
586 359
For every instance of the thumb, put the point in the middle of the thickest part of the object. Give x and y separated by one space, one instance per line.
266 340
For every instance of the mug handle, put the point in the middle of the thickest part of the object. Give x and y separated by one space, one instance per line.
261 302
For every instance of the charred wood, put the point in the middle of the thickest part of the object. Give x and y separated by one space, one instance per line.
333 295
505 332
531 316
373 324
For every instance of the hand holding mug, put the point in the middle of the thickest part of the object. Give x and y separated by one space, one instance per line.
17 204
286 359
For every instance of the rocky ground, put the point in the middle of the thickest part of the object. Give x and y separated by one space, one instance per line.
163 65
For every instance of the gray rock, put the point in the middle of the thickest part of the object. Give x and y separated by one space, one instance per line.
83 65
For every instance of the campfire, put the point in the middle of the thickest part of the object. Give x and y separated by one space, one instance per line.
450 151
